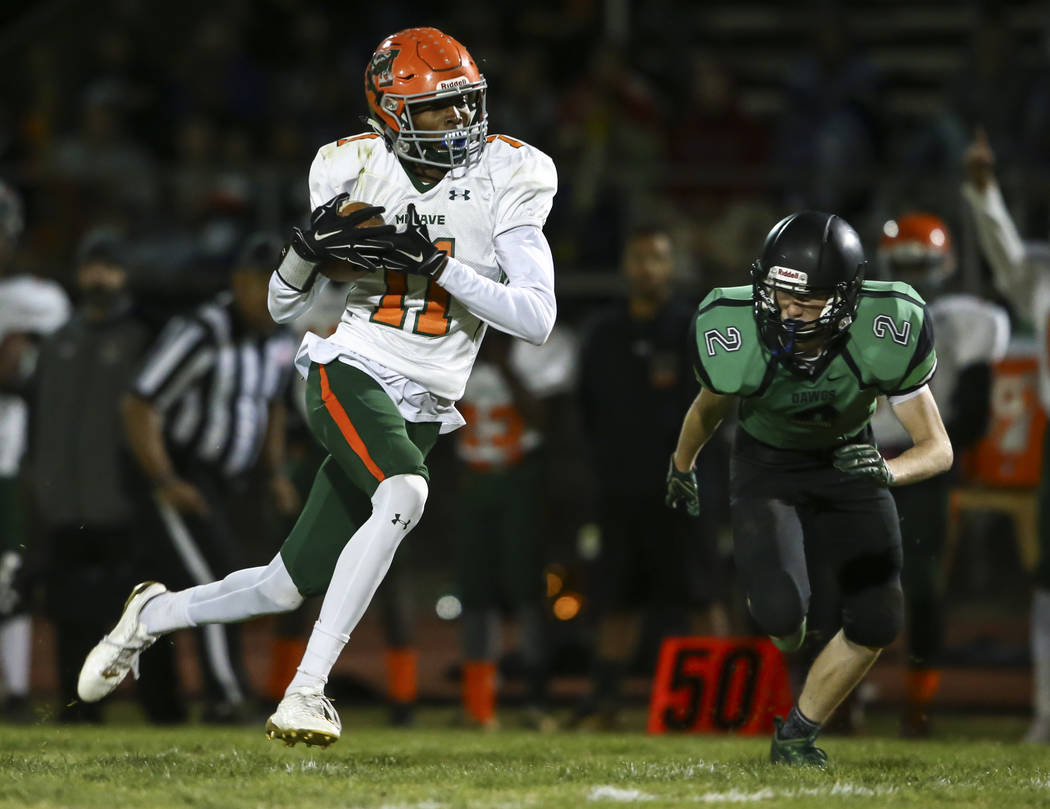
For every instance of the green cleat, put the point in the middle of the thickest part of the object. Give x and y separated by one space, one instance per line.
799 752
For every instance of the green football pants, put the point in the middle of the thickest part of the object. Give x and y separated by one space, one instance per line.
368 441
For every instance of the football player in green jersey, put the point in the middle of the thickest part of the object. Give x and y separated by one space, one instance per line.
805 350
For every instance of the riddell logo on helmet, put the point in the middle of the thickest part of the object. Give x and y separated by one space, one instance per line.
788 275
448 84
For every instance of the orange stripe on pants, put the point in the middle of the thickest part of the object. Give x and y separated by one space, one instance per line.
342 421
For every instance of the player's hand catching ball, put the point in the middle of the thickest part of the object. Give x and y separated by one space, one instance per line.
343 230
411 250
682 492
863 460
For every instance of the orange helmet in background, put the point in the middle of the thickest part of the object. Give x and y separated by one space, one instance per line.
421 66
916 248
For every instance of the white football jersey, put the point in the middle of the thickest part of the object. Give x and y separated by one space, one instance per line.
28 305
408 323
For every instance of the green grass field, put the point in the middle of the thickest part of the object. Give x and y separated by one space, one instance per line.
973 762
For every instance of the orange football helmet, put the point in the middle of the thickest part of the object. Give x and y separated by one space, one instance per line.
916 248
420 66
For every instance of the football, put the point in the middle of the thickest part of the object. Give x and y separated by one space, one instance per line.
340 271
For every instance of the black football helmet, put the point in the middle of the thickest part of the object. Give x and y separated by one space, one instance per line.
808 254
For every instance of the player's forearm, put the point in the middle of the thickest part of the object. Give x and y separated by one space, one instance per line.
923 460
145 434
701 420
527 311
285 302
931 450
524 307
999 240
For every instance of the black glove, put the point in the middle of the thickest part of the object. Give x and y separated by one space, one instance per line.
410 250
682 491
863 460
331 236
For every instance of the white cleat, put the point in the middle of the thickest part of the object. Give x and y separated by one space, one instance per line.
117 653
304 715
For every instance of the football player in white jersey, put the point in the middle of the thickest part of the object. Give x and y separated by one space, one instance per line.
462 249
971 334
30 309
1021 270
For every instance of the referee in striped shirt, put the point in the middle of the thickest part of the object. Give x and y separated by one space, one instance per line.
205 408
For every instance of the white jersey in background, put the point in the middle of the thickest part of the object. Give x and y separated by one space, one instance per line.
33 306
500 270
497 436
1021 269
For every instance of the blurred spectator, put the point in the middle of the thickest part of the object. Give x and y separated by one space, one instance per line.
611 142
500 515
30 308
101 167
971 334
1022 274
634 376
88 504
830 137
204 409
718 150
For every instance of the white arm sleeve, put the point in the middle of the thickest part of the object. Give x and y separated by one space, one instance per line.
1015 264
523 307
285 302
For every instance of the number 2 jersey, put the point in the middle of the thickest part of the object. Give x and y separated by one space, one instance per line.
889 352
407 323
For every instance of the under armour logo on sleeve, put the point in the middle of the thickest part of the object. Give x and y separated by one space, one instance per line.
397 519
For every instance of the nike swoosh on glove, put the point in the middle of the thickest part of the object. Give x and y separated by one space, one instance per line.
682 491
863 460
411 250
331 236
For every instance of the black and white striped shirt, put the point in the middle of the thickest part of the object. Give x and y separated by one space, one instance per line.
213 381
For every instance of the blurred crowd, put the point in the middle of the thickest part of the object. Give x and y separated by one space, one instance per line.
186 148
156 140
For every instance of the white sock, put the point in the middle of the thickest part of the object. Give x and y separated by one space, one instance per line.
242 595
1041 653
16 636
322 650
397 506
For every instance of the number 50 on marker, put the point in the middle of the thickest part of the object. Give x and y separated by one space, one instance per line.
718 685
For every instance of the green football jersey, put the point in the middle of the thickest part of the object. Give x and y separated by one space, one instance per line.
889 352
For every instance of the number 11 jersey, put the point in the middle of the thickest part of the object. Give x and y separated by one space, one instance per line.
408 323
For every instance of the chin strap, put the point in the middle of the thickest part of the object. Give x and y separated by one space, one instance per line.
784 350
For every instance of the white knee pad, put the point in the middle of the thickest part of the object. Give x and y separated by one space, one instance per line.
277 588
400 500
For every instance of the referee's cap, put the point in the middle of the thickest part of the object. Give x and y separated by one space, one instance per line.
104 245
